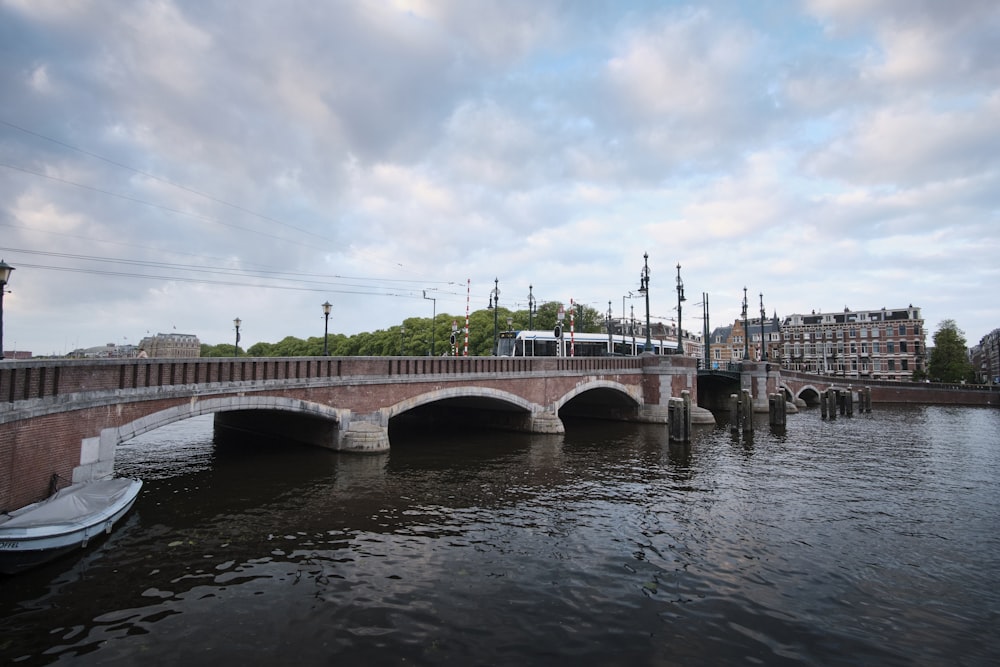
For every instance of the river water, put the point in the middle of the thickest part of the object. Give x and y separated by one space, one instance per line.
859 541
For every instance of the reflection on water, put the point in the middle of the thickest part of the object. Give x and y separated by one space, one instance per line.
855 541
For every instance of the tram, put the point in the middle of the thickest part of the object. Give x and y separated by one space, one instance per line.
546 344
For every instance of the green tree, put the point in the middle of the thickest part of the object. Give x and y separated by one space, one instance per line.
950 358
221 350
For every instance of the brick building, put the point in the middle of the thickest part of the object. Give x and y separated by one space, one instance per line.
883 344
171 345
985 358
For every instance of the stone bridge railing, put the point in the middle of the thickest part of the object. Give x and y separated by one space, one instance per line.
63 378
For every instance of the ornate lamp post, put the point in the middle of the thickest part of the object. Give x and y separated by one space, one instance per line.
433 317
495 306
680 298
644 289
746 330
611 340
5 270
236 348
531 309
326 326
763 342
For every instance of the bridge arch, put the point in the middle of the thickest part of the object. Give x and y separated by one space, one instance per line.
809 394
600 398
113 436
482 395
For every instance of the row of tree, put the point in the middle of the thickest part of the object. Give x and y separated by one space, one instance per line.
423 335
949 358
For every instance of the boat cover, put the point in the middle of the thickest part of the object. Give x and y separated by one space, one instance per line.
72 504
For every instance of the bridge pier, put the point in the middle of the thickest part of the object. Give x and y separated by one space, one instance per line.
363 437
761 379
546 422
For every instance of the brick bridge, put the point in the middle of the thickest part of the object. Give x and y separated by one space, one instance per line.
67 417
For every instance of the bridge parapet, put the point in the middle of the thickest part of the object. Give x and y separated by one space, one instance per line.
36 383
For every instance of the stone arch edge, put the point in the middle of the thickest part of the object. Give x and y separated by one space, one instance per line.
97 454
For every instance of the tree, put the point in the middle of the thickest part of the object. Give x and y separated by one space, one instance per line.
949 359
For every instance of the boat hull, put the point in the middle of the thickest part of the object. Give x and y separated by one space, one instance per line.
68 520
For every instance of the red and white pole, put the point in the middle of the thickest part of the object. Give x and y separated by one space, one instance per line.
468 289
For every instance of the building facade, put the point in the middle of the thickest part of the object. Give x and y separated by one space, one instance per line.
985 358
883 344
172 345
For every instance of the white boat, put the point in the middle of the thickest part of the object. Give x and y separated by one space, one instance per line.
67 519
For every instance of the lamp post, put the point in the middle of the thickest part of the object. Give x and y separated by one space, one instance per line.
560 316
746 332
763 342
531 309
454 338
495 306
402 338
433 317
680 298
611 340
631 323
236 348
705 331
5 270
326 326
644 289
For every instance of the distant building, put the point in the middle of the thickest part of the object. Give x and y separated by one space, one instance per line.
171 345
16 354
876 344
732 343
985 358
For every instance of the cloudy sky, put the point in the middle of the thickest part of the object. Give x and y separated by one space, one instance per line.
170 165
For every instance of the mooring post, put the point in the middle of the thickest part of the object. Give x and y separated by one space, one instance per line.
776 409
746 411
686 399
831 397
866 405
849 401
734 413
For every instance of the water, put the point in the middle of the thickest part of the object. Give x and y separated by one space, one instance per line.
871 540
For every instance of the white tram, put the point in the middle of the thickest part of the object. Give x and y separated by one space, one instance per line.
546 344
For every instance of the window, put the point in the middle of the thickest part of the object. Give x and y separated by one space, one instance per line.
892 364
902 347
902 329
890 347
875 347
905 365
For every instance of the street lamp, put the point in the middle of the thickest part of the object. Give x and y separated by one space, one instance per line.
763 343
706 334
495 306
433 317
611 340
402 338
746 331
531 309
644 289
326 326
5 270
236 348
680 298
